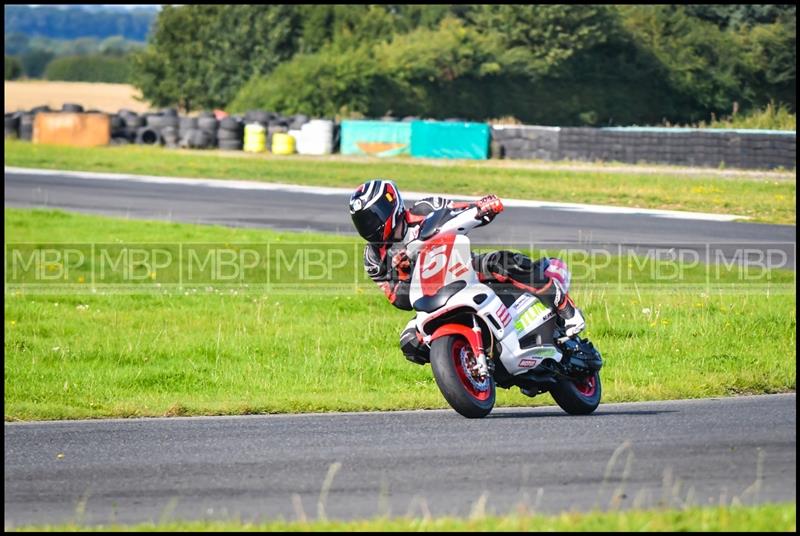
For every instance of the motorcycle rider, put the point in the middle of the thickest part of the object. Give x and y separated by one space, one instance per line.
381 218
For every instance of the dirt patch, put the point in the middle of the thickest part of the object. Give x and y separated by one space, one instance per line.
108 98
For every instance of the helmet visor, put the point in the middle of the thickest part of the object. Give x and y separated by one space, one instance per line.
371 221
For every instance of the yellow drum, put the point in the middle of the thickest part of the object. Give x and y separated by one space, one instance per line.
255 138
282 143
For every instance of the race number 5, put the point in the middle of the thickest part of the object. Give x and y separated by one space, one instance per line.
435 261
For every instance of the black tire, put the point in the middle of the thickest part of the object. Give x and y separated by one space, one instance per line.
134 121
450 376
199 139
148 136
12 121
26 132
208 123
578 398
258 116
70 107
229 123
230 145
187 123
225 134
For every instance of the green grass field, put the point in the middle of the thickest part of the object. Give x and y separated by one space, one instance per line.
332 344
760 196
765 518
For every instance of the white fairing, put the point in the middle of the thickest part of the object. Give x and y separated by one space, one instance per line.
446 258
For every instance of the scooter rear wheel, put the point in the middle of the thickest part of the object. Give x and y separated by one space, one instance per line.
578 397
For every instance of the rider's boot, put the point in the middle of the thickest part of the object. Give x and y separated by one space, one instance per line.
412 346
571 317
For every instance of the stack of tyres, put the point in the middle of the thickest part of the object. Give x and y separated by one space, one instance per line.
198 132
230 134
12 125
186 125
207 123
26 126
119 132
169 129
132 123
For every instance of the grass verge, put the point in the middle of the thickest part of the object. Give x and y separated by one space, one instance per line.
300 346
762 197
764 518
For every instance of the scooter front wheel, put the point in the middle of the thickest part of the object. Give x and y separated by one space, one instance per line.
452 362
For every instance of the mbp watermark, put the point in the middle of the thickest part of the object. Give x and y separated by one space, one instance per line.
313 266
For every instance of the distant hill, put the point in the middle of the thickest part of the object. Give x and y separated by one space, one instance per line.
75 21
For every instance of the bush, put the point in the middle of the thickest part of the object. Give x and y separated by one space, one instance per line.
432 73
96 68
770 118
13 68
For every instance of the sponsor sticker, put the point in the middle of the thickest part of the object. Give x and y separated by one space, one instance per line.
528 363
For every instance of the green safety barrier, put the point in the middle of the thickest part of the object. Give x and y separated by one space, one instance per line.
376 138
436 139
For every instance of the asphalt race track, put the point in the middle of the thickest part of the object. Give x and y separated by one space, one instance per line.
699 452
289 209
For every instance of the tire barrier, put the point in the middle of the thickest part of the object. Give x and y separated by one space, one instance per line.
169 136
11 126
26 126
230 134
69 107
747 149
390 136
148 136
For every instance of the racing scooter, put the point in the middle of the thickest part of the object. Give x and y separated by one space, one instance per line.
484 335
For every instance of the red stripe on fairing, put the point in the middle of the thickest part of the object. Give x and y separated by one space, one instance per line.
503 314
458 269
463 270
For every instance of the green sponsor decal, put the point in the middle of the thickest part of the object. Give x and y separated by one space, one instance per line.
530 316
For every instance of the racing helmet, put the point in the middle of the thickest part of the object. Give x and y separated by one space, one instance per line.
378 212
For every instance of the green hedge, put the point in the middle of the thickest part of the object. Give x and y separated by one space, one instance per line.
13 68
95 68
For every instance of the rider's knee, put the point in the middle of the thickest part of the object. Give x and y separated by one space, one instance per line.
557 269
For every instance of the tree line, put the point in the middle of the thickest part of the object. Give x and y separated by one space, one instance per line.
72 22
545 64
542 64
87 43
